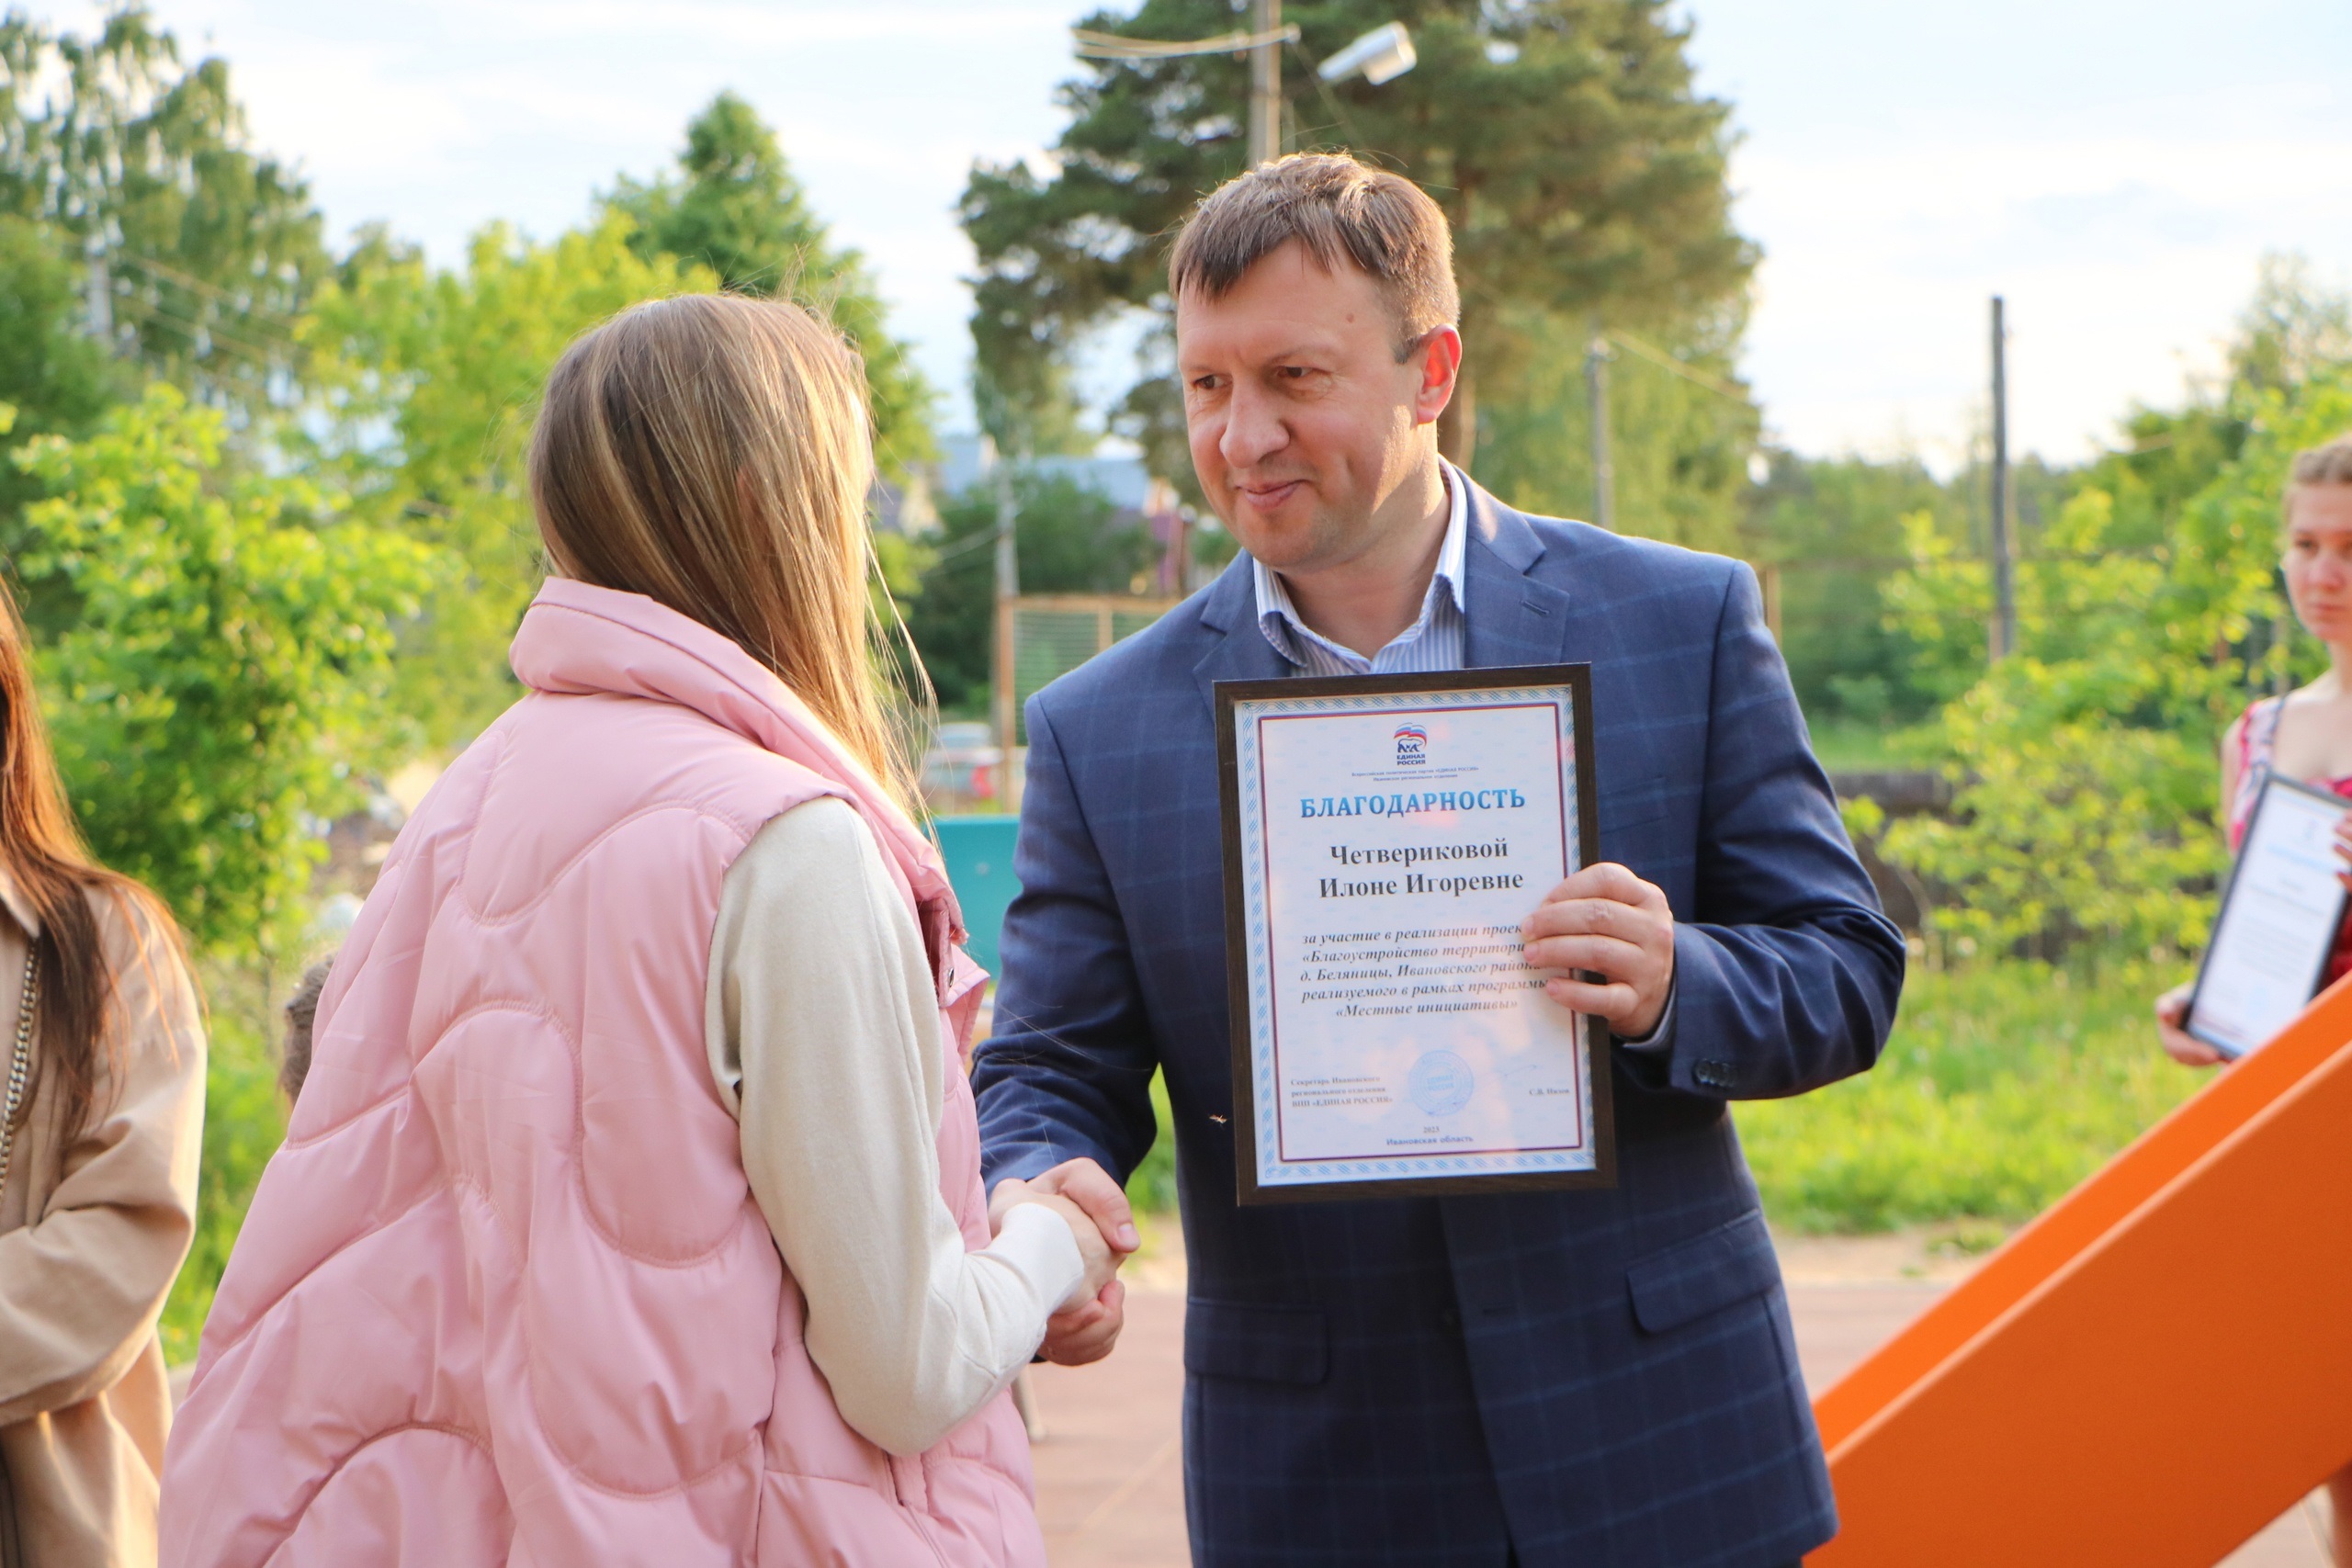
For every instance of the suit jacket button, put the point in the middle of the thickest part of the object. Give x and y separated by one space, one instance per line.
1714 1075
1451 1317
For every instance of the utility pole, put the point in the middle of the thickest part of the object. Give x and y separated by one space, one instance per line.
1265 83
2003 638
1596 392
1005 711
1008 563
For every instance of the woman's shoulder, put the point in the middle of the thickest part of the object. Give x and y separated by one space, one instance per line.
146 956
2258 721
132 921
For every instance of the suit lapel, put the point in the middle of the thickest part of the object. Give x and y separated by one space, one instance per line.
1513 618
1241 653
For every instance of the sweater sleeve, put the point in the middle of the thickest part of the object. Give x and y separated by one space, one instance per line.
824 1041
82 1283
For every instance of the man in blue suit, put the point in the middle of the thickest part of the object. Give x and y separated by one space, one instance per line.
1593 1377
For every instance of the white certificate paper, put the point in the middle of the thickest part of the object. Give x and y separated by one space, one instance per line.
2278 921
1384 845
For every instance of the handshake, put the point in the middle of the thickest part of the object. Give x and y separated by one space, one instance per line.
1096 1211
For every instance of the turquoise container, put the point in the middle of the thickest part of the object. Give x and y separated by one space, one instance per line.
978 851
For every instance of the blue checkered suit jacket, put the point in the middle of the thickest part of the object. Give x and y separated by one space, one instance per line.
1591 1378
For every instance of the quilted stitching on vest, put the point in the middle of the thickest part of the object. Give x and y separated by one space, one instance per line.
505 1295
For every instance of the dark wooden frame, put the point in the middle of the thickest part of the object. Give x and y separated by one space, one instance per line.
1576 679
2188 1016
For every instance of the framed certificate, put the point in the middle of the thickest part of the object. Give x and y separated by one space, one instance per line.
2277 922
1384 836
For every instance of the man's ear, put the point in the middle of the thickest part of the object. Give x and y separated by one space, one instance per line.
1437 359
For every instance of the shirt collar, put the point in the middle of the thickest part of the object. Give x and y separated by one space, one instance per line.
1277 613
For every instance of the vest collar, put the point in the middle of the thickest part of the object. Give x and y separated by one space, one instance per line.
578 640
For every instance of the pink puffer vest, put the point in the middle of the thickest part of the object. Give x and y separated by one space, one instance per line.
504 1295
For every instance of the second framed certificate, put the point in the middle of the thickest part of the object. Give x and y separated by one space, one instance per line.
1384 836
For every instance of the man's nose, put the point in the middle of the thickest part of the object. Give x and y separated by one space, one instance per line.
1253 429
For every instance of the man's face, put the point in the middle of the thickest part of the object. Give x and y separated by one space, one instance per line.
1303 424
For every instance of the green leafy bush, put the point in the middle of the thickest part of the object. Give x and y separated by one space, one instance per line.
242 1125
2084 818
1152 1187
232 648
2005 1085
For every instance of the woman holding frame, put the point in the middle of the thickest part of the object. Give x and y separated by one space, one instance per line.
2306 735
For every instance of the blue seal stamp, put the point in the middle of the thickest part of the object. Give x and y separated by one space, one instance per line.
1440 1083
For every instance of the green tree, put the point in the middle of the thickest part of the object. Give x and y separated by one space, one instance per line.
449 367
1834 527
1581 170
1679 433
1070 540
200 253
2085 812
56 376
231 652
734 206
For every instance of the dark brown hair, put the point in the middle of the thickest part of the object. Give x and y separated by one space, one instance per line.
41 850
1345 213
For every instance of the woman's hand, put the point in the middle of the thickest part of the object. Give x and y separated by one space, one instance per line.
1093 1251
2172 1010
1086 1331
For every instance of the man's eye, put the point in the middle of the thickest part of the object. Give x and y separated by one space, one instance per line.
1292 372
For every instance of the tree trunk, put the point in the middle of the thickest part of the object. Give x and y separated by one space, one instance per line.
1457 427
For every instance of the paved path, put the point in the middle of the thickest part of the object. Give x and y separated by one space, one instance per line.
1110 1480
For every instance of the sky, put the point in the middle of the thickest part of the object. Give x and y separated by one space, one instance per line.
2116 171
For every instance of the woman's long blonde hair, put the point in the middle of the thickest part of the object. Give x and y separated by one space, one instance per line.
713 453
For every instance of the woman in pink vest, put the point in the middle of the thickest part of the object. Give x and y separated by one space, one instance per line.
631 1211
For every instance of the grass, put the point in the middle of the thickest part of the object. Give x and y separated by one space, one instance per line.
2004 1086
1850 746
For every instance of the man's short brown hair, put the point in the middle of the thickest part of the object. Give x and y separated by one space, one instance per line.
1345 213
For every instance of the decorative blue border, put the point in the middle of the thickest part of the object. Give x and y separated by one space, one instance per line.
1272 1170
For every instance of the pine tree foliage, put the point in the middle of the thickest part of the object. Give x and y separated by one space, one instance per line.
1581 169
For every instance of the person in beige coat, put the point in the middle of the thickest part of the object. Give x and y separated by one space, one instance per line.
102 1085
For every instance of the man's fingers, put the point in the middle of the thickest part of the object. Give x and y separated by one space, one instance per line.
1608 955
1586 917
1614 1001
1086 1333
1090 1187
1611 882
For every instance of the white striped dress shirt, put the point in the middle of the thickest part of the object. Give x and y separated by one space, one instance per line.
1436 641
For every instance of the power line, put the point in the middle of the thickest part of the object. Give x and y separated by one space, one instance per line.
1666 361
173 275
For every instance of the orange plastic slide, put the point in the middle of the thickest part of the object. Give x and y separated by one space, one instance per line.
2147 1374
